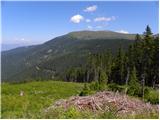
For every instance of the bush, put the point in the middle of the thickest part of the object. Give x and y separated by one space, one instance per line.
94 86
134 91
114 87
151 96
146 90
72 113
85 91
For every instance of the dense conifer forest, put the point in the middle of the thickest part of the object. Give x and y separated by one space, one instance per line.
136 67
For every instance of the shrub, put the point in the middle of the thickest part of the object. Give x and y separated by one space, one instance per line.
114 87
94 86
85 91
134 91
72 112
151 96
134 85
103 79
146 90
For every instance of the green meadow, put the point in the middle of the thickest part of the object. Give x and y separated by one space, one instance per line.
37 97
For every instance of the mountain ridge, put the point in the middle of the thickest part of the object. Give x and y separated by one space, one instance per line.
74 34
87 34
59 53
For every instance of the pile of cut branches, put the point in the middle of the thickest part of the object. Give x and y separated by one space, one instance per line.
106 101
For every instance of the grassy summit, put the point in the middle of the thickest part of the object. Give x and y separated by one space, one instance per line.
109 35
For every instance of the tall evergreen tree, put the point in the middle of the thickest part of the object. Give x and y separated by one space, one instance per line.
103 79
109 62
148 49
119 70
148 31
138 39
134 85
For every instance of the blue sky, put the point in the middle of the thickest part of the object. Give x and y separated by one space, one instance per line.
35 22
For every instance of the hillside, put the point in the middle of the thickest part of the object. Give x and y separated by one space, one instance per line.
43 100
47 60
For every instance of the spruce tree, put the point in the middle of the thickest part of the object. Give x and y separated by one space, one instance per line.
138 39
148 31
119 68
148 50
103 79
134 85
109 62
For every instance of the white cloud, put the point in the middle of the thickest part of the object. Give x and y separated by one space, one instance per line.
88 20
89 27
123 31
91 8
107 19
77 18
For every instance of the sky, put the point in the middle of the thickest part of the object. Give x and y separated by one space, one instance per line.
33 22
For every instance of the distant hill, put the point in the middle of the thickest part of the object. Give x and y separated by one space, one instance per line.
5 47
55 56
90 35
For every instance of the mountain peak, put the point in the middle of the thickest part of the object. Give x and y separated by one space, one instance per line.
87 34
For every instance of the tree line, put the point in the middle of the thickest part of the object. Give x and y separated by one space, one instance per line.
138 66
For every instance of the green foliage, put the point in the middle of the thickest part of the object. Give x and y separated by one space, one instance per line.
108 115
94 86
115 87
145 115
148 31
144 55
118 71
54 113
134 85
72 113
103 79
151 95
40 95
151 115
37 97
138 38
85 91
